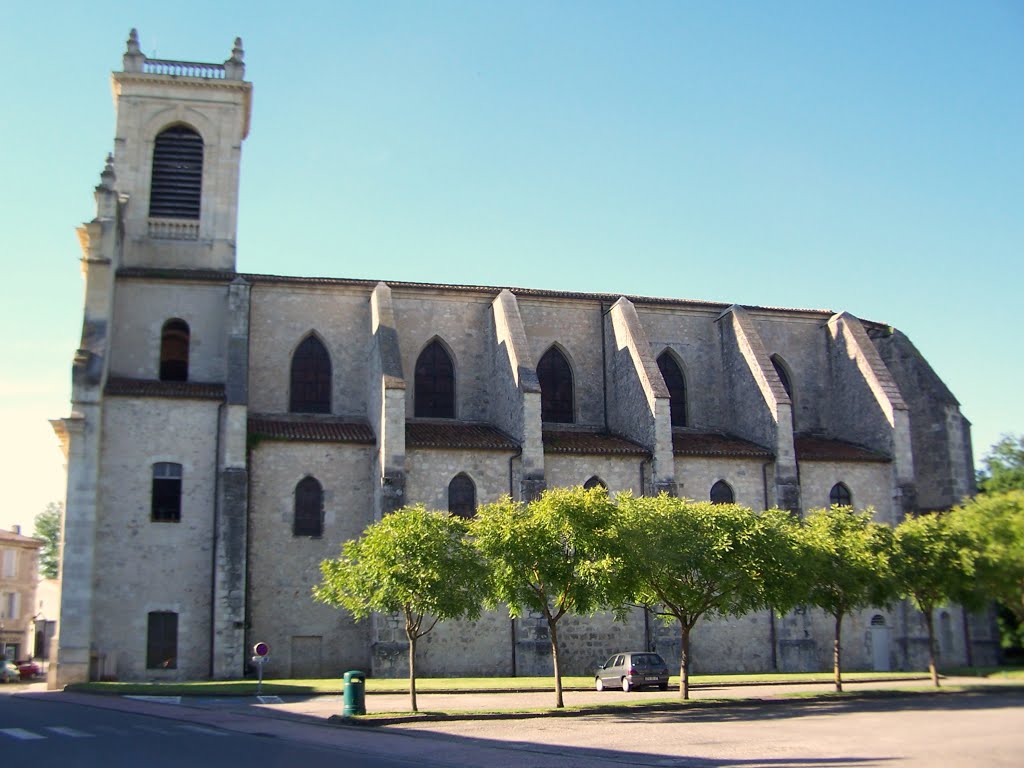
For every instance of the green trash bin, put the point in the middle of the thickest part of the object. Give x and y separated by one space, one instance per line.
355 693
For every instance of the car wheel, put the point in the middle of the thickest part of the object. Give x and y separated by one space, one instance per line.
625 685
599 683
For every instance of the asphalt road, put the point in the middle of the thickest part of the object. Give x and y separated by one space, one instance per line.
984 728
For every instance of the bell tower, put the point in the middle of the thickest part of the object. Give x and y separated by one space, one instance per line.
177 153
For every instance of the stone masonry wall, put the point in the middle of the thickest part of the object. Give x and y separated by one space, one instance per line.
695 475
283 568
145 307
282 316
144 566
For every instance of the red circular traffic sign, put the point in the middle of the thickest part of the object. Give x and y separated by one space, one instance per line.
261 649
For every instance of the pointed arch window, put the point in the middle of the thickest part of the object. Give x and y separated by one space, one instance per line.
310 378
721 493
174 343
780 369
556 389
595 482
462 496
177 179
435 383
676 384
840 496
309 508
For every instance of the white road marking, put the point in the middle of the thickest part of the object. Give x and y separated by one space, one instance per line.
157 699
21 733
270 699
64 730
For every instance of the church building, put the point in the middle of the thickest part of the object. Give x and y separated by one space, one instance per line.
229 431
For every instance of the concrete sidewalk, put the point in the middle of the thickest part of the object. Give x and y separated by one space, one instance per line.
394 708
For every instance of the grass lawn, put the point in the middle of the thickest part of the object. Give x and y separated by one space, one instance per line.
335 685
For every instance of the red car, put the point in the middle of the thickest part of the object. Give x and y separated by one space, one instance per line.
28 669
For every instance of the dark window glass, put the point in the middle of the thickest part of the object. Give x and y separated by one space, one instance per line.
311 378
309 508
594 482
435 383
783 376
676 384
556 394
840 496
462 496
177 180
166 496
162 640
174 340
721 493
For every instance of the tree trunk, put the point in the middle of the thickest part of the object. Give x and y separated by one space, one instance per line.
553 633
412 669
837 654
684 661
933 668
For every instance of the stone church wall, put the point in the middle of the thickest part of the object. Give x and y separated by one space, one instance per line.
619 473
144 566
283 567
693 337
695 476
462 323
281 316
802 343
135 343
428 472
870 485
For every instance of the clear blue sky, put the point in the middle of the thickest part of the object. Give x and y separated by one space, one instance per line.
865 156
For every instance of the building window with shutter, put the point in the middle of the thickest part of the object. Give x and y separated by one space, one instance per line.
310 378
556 388
162 640
721 493
174 341
435 383
166 496
462 496
676 384
309 508
177 180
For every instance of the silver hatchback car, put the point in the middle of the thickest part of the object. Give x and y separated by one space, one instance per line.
632 669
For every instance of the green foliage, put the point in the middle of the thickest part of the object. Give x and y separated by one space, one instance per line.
995 523
933 561
1004 466
847 560
932 564
846 557
694 559
47 528
554 555
413 561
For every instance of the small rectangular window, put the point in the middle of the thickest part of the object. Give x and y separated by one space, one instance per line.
166 496
162 640
10 563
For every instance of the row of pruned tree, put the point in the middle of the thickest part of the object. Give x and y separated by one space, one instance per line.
576 551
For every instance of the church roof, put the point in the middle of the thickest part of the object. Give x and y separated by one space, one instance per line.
311 429
687 443
815 448
589 442
195 390
453 434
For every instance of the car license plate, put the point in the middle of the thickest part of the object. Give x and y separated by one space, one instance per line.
651 679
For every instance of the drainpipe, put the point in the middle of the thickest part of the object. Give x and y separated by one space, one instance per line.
216 526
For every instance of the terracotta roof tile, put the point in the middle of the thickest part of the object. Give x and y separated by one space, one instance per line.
715 444
814 448
589 442
453 434
311 429
17 538
123 387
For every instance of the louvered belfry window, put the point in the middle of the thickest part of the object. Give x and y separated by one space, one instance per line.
176 186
